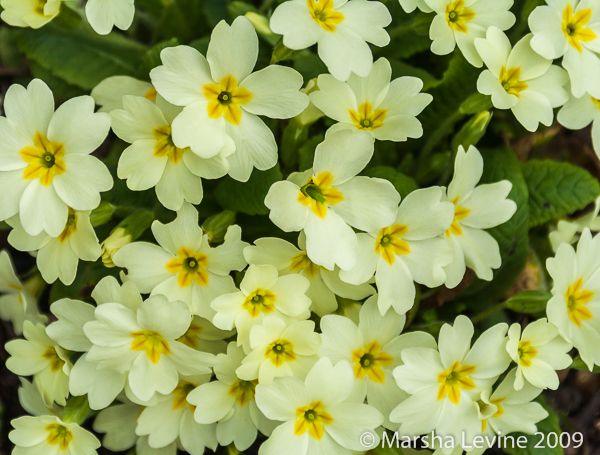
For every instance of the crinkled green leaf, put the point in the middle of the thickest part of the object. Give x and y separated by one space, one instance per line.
557 189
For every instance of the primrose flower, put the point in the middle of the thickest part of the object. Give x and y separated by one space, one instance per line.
171 420
153 160
577 113
51 436
520 79
45 162
223 98
575 304
230 401
408 249
109 93
324 284
507 410
373 348
103 15
570 29
145 345
184 267
459 23
277 349
341 29
385 109
39 356
262 292
318 415
58 257
476 208
29 13
17 303
538 352
203 336
328 199
445 383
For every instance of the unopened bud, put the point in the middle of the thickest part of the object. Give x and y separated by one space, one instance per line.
102 214
261 24
311 114
281 53
216 226
113 243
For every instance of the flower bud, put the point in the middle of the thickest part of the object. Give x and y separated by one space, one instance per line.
311 114
102 214
261 24
113 243
216 226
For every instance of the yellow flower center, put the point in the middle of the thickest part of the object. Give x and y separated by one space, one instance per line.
151 342
59 434
70 226
259 301
165 146
243 391
151 94
45 159
573 26
311 418
323 14
457 16
318 193
366 118
56 363
454 379
498 413
302 262
576 303
280 351
181 392
190 337
510 81
190 266
369 361
225 99
526 353
459 214
596 102
390 243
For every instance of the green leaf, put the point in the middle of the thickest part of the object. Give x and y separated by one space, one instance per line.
80 58
476 103
512 236
400 69
151 59
248 197
472 131
579 364
403 183
557 189
550 424
529 302
306 153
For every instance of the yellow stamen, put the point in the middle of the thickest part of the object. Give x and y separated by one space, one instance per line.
259 301
459 214
323 14
573 26
369 361
45 159
165 146
317 193
576 300
243 391
280 351
302 262
59 434
510 81
366 118
190 266
390 243
56 363
70 227
225 99
596 102
151 94
151 342
457 16
526 353
454 379
312 418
